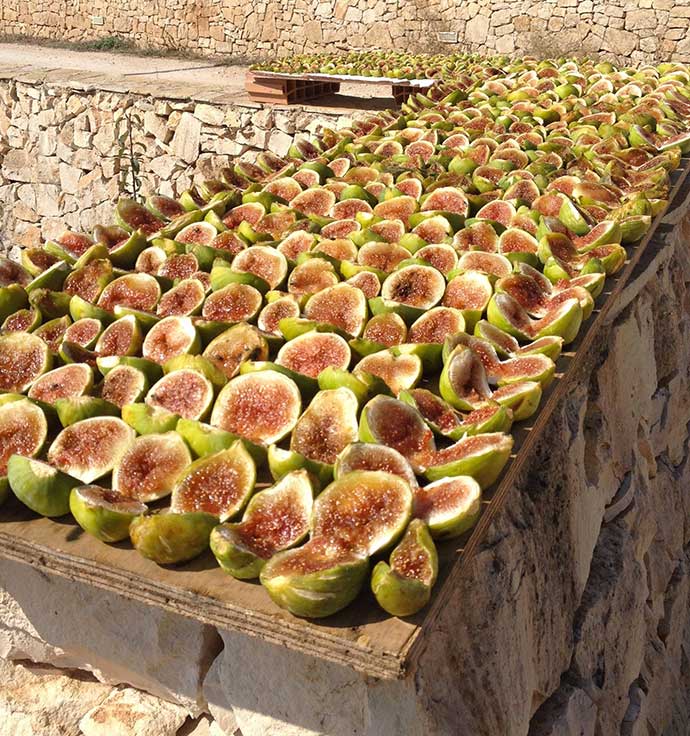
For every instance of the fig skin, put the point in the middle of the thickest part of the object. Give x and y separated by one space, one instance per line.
405 595
4 490
107 525
168 539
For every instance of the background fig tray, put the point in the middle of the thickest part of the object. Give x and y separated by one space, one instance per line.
362 636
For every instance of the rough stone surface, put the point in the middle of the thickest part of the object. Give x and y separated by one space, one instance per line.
39 700
129 712
251 31
50 619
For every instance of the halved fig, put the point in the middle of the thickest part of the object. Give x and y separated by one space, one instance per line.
267 263
178 266
384 330
382 256
393 423
314 275
285 187
89 281
233 303
219 484
138 291
470 293
463 382
124 385
340 229
172 336
313 352
403 586
314 202
436 324
131 215
84 332
420 287
342 306
23 430
368 456
53 332
234 346
23 320
367 282
12 272
275 519
23 358
562 320
262 407
250 212
281 308
151 467
122 337
103 513
315 580
327 426
298 242
197 233
449 506
398 208
90 449
482 456
397 371
449 199
167 538
73 409
184 392
75 379
165 208
185 298
442 257
41 487
365 511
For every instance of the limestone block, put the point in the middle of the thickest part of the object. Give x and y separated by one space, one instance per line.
279 142
477 29
44 618
209 114
129 712
185 142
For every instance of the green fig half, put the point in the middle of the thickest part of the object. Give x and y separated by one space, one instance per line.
218 484
315 580
167 538
90 449
275 519
402 586
103 513
23 430
482 456
449 506
41 487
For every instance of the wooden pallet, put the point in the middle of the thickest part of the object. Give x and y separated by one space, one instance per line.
282 91
295 89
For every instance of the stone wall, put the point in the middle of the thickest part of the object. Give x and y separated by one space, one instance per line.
645 30
60 157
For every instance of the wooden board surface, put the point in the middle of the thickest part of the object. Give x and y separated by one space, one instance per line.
362 636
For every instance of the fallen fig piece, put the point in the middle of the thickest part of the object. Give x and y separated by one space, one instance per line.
402 586
275 519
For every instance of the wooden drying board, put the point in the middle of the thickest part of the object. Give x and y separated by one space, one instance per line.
362 636
292 89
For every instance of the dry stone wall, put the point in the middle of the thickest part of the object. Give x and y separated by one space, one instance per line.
60 159
643 30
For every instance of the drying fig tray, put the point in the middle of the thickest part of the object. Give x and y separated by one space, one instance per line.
362 636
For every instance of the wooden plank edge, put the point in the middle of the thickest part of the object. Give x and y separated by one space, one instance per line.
310 640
